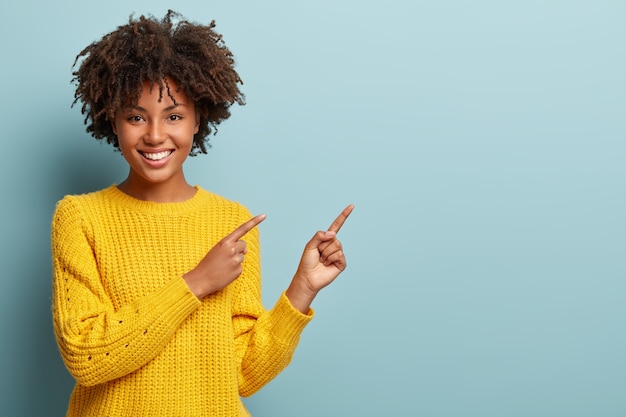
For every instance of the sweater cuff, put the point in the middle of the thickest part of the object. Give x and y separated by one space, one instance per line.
288 321
181 301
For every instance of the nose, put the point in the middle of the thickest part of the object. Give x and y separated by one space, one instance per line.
155 134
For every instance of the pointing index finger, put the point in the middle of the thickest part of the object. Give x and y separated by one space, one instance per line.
341 219
240 232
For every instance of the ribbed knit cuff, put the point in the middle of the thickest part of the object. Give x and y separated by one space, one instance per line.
179 297
288 322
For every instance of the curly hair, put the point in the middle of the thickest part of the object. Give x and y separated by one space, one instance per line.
113 70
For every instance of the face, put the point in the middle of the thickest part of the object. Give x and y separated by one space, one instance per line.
155 137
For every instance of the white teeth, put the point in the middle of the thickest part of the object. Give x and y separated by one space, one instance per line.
156 156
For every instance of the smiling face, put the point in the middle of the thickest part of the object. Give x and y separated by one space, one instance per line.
155 137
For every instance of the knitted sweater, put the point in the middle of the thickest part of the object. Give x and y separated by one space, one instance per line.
130 331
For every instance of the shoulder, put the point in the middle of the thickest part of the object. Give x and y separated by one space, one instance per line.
222 213
218 202
74 202
75 210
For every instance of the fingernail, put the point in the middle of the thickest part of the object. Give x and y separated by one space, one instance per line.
329 233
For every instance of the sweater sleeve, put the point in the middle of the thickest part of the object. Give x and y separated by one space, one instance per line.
98 343
265 340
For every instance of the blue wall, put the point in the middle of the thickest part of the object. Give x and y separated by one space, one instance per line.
483 143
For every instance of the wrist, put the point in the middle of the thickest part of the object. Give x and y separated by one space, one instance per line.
197 284
300 295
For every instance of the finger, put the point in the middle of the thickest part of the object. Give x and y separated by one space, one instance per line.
340 220
337 259
240 232
331 247
239 247
319 238
322 246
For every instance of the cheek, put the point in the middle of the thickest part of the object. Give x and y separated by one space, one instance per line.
125 141
188 136
121 139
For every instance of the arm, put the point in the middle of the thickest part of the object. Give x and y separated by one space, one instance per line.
97 342
266 341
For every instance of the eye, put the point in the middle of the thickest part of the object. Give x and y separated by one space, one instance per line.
174 117
134 118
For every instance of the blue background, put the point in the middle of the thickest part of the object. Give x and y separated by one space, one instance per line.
482 142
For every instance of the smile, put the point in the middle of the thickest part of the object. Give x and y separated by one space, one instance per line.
156 156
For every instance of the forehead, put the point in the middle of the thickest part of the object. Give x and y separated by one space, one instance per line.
165 92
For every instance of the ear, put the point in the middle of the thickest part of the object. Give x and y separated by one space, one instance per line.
111 118
197 127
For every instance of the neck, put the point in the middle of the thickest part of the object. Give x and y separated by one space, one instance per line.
171 192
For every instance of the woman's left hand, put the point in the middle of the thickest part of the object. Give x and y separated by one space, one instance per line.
322 261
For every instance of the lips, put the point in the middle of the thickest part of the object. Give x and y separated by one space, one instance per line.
156 156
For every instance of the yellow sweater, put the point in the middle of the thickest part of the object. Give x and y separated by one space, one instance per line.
134 337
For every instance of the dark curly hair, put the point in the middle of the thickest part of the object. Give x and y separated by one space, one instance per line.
113 70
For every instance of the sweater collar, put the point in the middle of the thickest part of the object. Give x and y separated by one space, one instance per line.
200 199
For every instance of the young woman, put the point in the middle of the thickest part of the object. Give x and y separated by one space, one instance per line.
157 289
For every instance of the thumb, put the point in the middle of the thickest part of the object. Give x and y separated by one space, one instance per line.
319 238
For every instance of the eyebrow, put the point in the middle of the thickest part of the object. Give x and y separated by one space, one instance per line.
168 108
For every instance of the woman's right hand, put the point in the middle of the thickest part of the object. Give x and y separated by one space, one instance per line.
222 264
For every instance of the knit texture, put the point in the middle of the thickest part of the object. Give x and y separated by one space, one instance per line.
130 331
